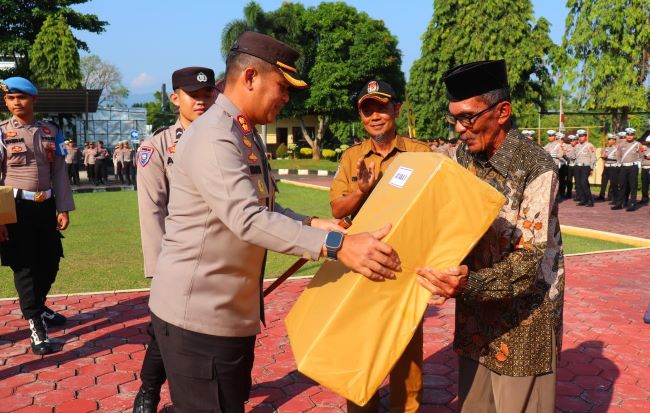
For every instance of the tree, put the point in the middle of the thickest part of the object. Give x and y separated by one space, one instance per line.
159 113
21 21
341 49
254 20
465 31
97 74
55 58
607 56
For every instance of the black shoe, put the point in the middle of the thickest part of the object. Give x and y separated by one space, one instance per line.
581 203
600 198
146 401
631 208
40 342
53 318
643 202
589 204
617 206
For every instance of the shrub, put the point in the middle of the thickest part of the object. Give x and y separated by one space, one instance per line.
306 152
291 149
281 151
328 153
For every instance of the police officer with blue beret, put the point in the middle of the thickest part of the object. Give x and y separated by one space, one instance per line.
33 163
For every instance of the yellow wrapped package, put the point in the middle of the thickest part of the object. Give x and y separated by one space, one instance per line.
346 331
7 205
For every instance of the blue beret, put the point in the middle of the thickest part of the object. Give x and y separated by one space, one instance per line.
19 85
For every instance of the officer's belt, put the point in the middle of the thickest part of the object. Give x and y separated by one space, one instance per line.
629 163
582 164
38 196
645 167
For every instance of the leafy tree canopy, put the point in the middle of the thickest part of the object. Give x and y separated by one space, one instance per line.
463 31
97 74
55 60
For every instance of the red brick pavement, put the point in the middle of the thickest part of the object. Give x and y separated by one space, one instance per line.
604 365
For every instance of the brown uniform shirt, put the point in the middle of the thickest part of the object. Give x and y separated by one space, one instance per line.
219 225
89 156
345 180
155 165
628 152
30 163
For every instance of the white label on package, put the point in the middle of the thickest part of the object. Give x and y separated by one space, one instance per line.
400 177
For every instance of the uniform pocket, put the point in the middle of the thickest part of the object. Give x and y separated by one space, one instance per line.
17 154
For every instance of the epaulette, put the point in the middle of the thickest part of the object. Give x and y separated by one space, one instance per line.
157 131
4 122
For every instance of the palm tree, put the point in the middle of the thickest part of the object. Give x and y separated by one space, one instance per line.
255 19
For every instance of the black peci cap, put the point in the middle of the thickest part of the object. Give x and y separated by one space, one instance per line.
378 90
192 78
274 52
474 79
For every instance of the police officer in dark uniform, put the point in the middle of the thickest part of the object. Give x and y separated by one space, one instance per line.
33 163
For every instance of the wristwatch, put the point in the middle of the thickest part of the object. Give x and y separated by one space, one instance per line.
333 243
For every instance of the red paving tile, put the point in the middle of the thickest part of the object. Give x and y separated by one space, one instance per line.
604 365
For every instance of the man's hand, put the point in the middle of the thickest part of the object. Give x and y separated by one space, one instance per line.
62 221
4 233
329 224
366 254
365 176
445 284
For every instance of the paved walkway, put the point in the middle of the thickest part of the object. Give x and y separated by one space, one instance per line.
604 365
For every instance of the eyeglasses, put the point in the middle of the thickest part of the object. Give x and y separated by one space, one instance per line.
467 120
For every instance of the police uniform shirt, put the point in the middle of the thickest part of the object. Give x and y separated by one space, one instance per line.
556 150
89 156
219 227
127 154
345 180
609 154
628 152
118 155
585 154
30 162
155 164
645 161
70 155
570 153
101 153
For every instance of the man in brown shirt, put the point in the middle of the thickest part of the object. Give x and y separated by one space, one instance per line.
222 217
361 167
510 293
32 162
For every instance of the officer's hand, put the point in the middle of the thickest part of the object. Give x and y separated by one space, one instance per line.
366 254
365 176
445 284
4 233
62 221
329 224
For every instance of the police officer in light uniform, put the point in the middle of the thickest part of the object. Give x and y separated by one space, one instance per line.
101 158
610 170
628 155
193 95
645 171
33 164
89 162
555 148
361 167
570 158
585 163
222 217
127 156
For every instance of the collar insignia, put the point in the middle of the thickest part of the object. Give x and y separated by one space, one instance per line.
243 124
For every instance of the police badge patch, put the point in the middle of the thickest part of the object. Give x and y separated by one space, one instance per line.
373 86
144 155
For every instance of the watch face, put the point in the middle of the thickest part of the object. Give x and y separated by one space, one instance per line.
334 240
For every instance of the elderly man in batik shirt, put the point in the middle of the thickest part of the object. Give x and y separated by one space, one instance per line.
509 295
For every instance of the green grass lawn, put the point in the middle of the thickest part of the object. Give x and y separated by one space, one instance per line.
303 164
102 245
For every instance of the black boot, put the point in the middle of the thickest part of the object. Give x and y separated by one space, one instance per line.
40 342
632 207
53 318
147 399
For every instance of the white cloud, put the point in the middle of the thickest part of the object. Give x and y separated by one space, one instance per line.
142 81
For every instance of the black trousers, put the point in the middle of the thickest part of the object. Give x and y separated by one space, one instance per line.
645 183
90 170
99 171
153 373
73 173
128 171
563 172
583 191
570 171
119 172
628 180
33 252
610 174
206 373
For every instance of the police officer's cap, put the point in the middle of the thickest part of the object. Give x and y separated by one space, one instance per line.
474 79
192 78
560 135
611 136
18 85
581 132
274 52
621 134
377 90
551 132
630 131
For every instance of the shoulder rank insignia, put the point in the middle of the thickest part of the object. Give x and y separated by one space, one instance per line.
247 142
171 149
144 155
243 124
252 157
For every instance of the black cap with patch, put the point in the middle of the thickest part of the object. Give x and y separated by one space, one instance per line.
377 90
273 51
192 78
476 78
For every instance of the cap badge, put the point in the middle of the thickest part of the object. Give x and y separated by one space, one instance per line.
247 142
243 124
3 87
373 87
201 77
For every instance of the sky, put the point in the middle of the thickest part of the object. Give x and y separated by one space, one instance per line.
148 39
